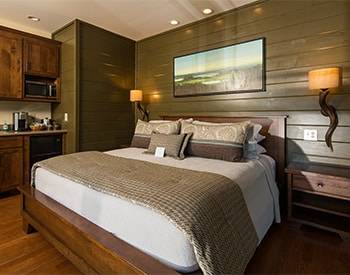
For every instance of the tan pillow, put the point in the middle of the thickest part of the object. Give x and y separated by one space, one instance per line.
235 132
252 130
171 143
218 141
252 135
179 120
144 130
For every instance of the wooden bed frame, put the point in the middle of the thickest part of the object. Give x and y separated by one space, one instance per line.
92 249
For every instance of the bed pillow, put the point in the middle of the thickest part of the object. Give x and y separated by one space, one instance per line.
185 142
171 143
252 130
199 122
179 120
144 130
251 148
216 141
253 133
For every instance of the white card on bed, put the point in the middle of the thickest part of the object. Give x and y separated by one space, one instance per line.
160 151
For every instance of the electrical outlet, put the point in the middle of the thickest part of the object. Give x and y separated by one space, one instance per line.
310 134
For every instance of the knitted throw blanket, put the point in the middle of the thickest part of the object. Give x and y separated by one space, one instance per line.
208 208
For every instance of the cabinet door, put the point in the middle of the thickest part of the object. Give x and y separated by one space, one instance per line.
11 168
10 66
41 57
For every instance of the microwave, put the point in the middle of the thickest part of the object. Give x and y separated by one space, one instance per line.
40 89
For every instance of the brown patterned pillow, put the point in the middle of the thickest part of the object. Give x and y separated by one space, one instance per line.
171 143
216 141
143 131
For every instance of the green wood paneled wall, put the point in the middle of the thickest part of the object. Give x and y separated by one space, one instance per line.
300 36
97 71
107 74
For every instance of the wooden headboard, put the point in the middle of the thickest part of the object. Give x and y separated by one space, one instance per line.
273 128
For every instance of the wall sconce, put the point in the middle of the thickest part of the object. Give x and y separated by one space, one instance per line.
324 79
136 96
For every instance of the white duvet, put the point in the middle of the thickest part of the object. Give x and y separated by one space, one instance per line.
150 231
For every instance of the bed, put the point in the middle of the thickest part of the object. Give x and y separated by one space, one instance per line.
135 239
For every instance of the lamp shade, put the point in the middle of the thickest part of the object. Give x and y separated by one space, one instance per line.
135 95
324 78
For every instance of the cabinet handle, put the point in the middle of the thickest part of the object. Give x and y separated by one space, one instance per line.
320 185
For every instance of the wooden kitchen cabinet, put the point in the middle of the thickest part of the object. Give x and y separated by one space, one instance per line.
19 151
11 77
11 163
41 57
26 57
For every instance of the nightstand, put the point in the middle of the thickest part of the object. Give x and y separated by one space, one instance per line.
319 195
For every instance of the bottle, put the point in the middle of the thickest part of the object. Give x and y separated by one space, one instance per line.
5 127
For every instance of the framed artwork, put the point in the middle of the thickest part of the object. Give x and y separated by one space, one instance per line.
237 68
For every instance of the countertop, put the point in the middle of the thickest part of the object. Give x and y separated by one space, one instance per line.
27 133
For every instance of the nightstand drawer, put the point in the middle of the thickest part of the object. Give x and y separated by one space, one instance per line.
319 184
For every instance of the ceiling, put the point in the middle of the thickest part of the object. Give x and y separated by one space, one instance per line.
136 19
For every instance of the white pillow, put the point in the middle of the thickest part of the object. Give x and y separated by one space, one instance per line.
253 133
179 120
159 121
198 122
260 149
252 149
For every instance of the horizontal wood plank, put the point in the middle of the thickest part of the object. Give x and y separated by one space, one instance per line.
106 77
341 134
300 36
317 148
302 103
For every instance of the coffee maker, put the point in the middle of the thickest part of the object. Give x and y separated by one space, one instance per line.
20 121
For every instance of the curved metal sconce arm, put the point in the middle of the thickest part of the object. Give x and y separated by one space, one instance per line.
328 111
144 112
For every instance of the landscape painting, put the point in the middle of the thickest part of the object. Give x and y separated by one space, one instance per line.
232 69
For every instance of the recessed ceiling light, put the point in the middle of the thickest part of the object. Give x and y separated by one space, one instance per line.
174 22
33 18
207 11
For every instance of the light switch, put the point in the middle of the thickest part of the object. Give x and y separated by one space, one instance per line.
66 117
310 134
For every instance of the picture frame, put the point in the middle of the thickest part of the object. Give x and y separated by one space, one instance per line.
231 69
